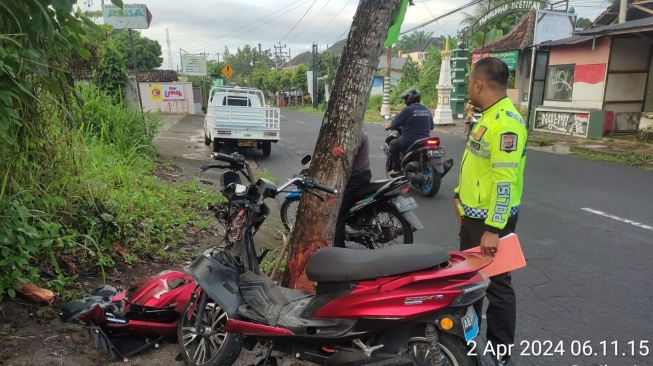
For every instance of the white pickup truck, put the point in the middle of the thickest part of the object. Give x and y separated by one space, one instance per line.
238 117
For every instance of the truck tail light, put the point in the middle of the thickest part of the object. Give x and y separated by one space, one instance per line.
224 132
269 134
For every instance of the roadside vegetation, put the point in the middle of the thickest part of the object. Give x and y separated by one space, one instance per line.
78 189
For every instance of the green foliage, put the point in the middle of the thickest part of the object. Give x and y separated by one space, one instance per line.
114 198
111 73
148 51
375 103
299 78
629 159
583 23
408 42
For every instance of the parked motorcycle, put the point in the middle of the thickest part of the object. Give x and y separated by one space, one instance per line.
422 163
381 216
400 305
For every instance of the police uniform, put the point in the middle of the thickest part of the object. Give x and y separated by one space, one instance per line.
490 189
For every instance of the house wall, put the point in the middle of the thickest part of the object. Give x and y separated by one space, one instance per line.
185 106
587 81
626 81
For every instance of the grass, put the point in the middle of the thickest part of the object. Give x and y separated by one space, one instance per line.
106 206
267 175
628 159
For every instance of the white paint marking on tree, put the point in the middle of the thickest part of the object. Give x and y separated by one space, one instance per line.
635 223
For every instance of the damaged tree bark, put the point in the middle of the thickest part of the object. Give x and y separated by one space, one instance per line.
340 134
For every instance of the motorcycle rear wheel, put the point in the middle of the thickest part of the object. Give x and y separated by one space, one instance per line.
390 219
433 186
452 349
214 347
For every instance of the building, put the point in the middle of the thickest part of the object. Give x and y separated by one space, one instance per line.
514 49
599 80
302 58
396 65
419 52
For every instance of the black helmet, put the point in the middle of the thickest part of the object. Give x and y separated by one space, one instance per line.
410 96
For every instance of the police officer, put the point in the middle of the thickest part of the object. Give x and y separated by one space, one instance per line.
488 196
416 123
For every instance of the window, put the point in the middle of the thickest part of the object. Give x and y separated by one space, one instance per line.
237 101
559 82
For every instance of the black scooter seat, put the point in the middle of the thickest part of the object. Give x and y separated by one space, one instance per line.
345 265
370 188
417 142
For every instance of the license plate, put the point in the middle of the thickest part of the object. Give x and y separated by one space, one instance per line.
435 153
246 143
470 324
404 204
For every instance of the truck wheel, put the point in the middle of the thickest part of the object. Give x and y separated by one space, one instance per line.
267 148
216 146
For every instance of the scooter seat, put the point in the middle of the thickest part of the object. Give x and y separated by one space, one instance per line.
371 187
345 265
417 142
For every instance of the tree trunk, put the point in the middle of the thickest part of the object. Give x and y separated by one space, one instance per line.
339 135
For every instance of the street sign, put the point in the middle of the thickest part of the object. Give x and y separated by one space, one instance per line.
227 71
193 65
130 16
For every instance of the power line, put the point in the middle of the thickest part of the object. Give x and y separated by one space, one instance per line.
300 20
338 13
435 19
309 23
252 23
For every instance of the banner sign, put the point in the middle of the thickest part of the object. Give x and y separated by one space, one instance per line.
509 57
156 93
172 92
130 16
520 5
553 25
193 65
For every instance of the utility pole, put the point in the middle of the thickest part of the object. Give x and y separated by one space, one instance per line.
279 55
138 87
315 62
489 5
623 9
259 49
385 107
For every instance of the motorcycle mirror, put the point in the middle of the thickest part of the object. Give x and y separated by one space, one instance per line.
306 159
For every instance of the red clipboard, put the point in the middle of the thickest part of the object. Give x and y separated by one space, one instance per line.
508 258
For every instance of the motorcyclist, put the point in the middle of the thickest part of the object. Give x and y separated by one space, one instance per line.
416 123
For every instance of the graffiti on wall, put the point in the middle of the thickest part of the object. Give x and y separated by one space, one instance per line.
560 82
563 122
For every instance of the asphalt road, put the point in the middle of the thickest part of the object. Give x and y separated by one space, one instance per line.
586 228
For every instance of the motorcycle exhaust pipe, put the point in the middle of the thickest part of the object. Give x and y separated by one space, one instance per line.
447 165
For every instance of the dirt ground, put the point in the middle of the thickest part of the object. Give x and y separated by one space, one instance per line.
32 335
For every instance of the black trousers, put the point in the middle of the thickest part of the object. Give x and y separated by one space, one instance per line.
396 146
353 185
502 308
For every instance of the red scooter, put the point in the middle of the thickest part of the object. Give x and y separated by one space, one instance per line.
400 305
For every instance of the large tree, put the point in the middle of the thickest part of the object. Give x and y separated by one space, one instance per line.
148 51
339 135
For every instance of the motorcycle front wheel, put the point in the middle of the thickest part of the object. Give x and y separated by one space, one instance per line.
394 229
211 346
452 351
289 212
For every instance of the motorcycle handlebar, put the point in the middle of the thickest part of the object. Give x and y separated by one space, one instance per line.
224 157
325 188
212 166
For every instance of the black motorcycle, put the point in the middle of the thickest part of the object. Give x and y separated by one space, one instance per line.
422 163
382 215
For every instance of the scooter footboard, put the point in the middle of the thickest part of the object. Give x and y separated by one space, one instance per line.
219 281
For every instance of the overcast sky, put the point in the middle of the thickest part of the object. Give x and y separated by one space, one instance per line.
209 25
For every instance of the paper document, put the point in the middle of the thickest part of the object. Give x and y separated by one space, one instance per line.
509 257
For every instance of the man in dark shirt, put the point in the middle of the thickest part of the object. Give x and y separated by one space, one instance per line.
416 123
360 177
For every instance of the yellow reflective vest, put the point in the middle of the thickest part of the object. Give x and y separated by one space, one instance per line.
492 167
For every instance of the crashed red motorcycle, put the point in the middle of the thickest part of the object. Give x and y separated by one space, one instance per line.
400 305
